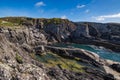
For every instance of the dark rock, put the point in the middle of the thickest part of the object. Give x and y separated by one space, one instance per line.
109 77
100 73
40 50
69 75
115 67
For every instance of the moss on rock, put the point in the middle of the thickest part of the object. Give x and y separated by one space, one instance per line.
53 60
19 59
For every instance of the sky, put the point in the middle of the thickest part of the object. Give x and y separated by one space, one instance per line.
74 10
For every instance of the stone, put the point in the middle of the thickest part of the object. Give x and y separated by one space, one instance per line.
115 67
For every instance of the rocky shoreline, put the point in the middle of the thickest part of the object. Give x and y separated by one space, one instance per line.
89 58
26 54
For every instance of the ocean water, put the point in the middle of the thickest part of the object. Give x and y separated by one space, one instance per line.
101 51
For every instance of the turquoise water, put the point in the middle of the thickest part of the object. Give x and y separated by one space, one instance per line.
102 52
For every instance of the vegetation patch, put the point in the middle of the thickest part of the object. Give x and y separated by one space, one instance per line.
6 23
10 25
14 22
53 60
19 59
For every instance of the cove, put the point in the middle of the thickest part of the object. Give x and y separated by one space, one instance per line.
101 51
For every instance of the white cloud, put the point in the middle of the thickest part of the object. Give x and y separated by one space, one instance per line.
87 11
80 6
39 4
104 17
64 17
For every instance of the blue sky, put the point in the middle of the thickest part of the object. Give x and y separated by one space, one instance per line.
75 10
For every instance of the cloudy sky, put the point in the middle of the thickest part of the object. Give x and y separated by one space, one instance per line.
75 10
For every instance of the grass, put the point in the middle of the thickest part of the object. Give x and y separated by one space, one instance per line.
53 60
17 20
13 22
10 25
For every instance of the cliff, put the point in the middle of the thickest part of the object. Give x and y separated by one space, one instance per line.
27 53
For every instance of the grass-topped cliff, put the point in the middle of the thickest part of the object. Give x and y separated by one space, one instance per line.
18 21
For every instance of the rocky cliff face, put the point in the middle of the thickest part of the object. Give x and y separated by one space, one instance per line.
106 35
15 63
101 30
25 53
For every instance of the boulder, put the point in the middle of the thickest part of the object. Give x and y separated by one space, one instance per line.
115 67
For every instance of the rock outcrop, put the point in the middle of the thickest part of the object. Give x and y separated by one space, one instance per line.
26 54
22 72
84 57
99 34
62 30
116 67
